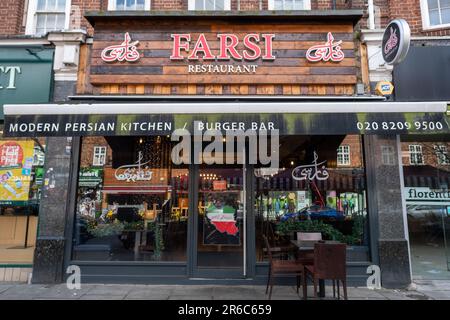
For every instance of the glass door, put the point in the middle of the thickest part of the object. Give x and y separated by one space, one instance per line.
220 221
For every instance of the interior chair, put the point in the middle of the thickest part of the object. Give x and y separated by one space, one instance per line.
279 267
329 264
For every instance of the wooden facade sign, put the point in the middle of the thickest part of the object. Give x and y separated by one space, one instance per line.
219 56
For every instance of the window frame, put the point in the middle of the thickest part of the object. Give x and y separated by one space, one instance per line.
94 154
388 153
191 6
426 18
343 164
437 151
415 152
30 27
307 5
112 5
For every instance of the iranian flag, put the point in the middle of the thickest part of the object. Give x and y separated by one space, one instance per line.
223 219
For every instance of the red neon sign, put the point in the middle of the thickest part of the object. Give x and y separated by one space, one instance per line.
326 52
228 47
125 51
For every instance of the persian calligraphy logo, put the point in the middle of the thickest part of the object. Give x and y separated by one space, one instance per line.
392 42
316 170
134 172
329 51
125 51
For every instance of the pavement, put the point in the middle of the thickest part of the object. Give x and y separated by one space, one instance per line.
421 290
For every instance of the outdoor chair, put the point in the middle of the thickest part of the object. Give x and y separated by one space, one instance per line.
329 264
281 268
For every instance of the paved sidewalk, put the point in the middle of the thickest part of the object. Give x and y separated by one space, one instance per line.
425 291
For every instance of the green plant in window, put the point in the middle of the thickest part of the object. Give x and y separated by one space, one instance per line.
99 230
158 238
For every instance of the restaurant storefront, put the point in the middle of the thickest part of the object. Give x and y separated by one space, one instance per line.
25 77
160 193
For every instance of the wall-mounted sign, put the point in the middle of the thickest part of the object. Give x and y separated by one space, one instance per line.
126 51
316 170
384 88
219 185
427 196
134 172
25 75
330 51
90 177
396 41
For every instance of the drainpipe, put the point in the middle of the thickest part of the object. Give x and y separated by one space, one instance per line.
371 15
333 5
239 5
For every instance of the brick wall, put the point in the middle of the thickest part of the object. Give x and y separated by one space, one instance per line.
11 16
411 12
429 155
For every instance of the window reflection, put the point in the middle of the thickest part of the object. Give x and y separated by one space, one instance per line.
135 206
294 199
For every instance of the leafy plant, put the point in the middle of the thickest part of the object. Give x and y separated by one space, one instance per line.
328 231
99 230
158 237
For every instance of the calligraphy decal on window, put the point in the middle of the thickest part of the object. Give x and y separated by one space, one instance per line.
316 170
134 172
125 51
325 52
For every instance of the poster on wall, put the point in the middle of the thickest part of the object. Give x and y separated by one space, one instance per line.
220 226
16 162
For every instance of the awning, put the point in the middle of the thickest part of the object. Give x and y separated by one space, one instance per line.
289 117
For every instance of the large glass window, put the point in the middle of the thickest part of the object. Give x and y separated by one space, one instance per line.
20 191
134 207
128 5
209 4
438 12
310 192
289 4
50 15
427 196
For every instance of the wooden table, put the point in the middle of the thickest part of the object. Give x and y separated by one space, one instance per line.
308 247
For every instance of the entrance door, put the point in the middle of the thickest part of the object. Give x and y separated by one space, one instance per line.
220 221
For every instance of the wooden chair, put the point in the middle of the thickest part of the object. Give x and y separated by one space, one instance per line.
281 268
329 264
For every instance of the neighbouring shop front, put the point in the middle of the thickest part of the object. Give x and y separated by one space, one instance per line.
25 77
137 213
426 163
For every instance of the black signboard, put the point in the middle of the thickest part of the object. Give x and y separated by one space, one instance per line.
165 124
396 41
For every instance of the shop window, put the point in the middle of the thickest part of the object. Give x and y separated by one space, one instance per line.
415 154
209 5
289 5
388 155
310 193
99 156
442 154
136 207
21 180
427 199
47 15
129 5
435 13
343 155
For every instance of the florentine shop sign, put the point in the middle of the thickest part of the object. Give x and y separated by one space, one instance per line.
251 47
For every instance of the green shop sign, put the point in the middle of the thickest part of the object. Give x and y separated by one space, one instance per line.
25 75
90 177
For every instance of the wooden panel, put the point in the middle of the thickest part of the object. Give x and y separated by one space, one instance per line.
154 73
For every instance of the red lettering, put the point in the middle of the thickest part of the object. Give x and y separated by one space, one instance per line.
201 46
268 38
226 46
252 46
177 45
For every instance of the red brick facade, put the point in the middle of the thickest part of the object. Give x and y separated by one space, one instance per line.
12 17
